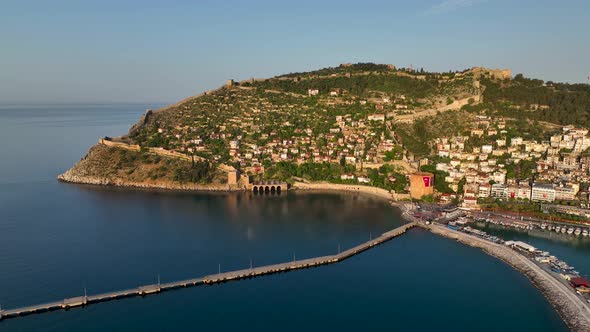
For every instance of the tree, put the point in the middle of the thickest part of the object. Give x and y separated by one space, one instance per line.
343 161
461 185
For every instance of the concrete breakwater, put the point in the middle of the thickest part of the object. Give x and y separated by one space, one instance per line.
574 312
210 279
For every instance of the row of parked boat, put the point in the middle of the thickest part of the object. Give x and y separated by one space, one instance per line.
556 265
566 230
460 225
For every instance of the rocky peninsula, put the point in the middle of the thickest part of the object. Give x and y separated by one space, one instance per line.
357 125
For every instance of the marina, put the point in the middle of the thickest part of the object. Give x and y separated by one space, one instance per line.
559 269
577 230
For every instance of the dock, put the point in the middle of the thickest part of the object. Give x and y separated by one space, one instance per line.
206 280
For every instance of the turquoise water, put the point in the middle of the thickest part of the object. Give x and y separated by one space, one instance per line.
57 239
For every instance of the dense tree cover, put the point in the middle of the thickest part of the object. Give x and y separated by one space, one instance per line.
567 103
385 177
524 169
357 67
201 171
397 153
311 171
359 85
418 136
515 205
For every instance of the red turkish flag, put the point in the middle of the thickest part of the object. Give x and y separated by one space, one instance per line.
426 180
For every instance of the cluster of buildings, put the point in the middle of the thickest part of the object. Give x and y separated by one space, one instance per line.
556 167
256 130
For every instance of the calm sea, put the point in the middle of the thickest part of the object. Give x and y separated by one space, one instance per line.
57 239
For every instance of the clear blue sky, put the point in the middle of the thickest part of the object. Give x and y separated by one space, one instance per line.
161 51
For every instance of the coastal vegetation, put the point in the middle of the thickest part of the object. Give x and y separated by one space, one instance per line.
112 164
366 124
534 99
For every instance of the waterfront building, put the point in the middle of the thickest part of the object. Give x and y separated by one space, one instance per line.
521 245
348 176
519 192
543 192
499 190
565 193
484 190
421 184
363 179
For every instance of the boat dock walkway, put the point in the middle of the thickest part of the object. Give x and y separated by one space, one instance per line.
210 279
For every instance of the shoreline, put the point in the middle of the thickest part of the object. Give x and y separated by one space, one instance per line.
118 183
374 192
572 311
359 189
568 306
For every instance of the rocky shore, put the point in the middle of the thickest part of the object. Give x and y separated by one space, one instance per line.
71 177
574 312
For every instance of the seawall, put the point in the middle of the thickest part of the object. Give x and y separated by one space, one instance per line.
574 312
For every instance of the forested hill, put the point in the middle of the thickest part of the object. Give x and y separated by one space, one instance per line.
559 103
368 79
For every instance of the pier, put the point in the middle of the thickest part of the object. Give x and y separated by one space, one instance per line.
209 279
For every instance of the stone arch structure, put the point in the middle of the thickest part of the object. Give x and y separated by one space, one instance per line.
273 186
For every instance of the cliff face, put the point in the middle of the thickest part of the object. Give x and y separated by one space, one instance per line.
142 121
104 165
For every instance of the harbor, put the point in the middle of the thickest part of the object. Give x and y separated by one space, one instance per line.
558 268
565 288
568 297
519 222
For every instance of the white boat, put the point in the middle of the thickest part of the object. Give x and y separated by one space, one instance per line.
585 232
543 226
557 229
578 231
570 231
563 229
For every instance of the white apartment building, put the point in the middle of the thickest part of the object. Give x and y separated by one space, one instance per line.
543 192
